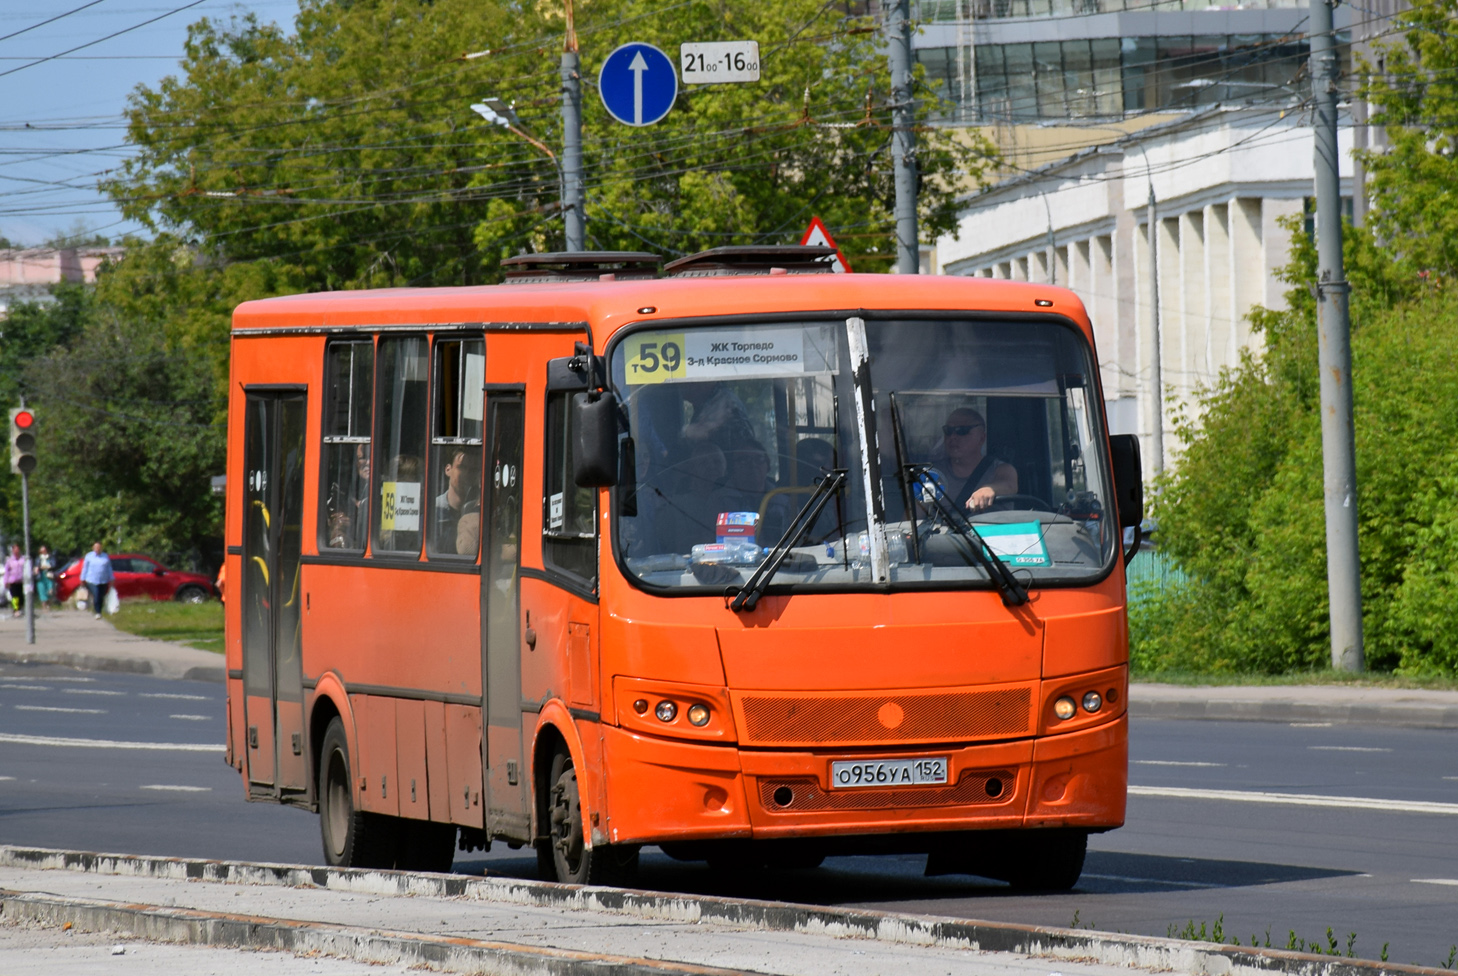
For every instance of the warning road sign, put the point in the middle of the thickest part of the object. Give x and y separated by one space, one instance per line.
817 234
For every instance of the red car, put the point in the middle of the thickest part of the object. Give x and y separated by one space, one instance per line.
138 575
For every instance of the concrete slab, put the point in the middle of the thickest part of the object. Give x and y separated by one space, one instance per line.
506 925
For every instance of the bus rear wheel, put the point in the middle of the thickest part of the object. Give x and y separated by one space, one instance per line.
352 838
564 855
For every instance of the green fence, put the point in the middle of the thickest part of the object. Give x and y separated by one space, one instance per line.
1151 573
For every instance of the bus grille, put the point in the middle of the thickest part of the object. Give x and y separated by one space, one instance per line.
953 717
806 796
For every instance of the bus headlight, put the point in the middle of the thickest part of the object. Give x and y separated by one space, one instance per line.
1092 702
698 715
666 711
1065 707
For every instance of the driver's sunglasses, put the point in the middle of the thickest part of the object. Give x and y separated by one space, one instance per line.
960 430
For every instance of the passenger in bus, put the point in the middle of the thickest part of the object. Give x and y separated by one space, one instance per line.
719 415
746 483
687 512
462 495
970 476
349 504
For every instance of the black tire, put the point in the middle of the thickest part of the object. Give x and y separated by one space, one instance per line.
564 855
797 861
1050 860
424 845
192 594
352 838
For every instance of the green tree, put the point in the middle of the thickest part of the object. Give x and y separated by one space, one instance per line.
1243 510
1414 180
347 154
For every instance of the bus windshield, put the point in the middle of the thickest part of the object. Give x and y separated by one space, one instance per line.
977 426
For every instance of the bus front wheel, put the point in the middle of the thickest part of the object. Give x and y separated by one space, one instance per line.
352 838
1047 860
564 856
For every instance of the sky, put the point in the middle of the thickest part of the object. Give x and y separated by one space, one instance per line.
61 123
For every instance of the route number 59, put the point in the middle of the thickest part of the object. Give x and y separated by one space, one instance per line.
653 358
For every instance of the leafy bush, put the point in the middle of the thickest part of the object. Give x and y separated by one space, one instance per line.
1243 509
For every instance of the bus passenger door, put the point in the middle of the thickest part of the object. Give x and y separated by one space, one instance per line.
508 792
273 508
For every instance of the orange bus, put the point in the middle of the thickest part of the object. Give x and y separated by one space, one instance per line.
735 557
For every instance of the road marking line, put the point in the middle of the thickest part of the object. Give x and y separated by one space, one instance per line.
1348 749
6 778
1298 799
165 694
1450 882
177 789
1153 881
26 687
1170 762
52 708
51 678
46 740
91 691
1310 725
192 718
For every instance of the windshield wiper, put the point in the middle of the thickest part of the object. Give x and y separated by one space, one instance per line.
746 598
1013 592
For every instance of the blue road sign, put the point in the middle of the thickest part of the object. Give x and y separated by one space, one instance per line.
638 84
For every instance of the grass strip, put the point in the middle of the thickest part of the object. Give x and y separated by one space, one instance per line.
197 625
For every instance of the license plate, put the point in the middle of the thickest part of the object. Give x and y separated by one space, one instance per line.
853 773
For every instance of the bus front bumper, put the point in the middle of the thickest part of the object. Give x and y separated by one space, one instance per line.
664 790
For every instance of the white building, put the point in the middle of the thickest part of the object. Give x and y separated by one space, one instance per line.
1221 178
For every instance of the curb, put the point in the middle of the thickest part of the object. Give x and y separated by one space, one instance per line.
188 926
1411 715
124 665
1146 952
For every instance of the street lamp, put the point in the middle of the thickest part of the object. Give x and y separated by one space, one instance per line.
498 112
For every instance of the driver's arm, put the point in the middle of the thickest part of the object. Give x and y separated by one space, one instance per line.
1004 482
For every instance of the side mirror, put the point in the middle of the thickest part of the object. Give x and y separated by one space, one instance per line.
1128 478
595 440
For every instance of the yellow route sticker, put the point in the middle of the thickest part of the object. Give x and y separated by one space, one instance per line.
652 357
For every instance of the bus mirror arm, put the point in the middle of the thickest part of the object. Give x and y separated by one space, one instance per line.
1128 471
595 436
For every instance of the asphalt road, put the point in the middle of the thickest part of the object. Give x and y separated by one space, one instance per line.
1382 865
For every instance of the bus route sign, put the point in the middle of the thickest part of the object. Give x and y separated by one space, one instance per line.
638 84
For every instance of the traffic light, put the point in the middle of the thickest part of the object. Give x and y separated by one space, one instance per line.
22 440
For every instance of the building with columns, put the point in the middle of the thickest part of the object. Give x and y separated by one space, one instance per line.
1222 179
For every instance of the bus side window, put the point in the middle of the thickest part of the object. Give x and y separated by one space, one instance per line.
349 379
455 447
569 536
400 443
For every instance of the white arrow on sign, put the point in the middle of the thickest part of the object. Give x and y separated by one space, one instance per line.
638 67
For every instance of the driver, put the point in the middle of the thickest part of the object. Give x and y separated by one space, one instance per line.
970 475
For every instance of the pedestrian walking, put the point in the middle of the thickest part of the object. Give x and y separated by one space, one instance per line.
15 580
45 576
97 575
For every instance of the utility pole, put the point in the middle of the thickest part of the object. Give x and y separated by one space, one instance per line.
903 135
1334 355
28 584
1156 367
574 219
